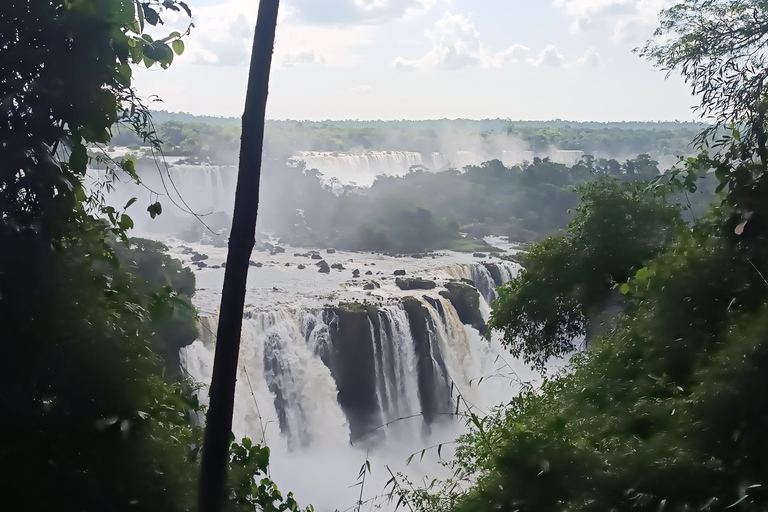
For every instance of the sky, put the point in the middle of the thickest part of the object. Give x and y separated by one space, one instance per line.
426 59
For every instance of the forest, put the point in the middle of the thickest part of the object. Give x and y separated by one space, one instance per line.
216 140
649 284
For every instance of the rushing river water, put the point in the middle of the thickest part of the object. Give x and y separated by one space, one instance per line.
327 386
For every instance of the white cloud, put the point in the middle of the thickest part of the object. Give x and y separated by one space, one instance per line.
628 20
224 42
590 59
302 57
456 43
357 11
223 36
361 89
549 56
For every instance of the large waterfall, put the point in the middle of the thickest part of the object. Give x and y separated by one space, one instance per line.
358 380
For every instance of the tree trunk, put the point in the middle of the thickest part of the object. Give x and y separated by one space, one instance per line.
242 237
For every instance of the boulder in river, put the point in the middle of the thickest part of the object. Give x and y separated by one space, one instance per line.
415 283
466 301
323 267
399 272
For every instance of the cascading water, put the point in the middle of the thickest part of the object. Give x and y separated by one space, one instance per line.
360 168
486 277
328 387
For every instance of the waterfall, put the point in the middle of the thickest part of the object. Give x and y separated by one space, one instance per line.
330 387
360 168
306 373
486 277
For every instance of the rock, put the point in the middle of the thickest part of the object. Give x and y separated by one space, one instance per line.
399 272
493 269
224 265
199 257
316 256
200 264
251 263
356 273
371 285
331 251
415 283
186 250
323 267
278 250
466 301
478 255
299 255
369 273
259 264
338 266
215 266
287 264
417 256
301 267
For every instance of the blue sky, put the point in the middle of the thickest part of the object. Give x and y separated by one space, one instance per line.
427 59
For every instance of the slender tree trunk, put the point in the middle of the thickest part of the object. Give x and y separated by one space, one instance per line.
242 237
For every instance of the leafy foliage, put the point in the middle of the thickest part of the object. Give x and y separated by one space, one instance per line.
95 418
567 281
665 411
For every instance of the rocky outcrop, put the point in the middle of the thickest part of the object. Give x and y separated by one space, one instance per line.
352 363
415 283
323 267
434 387
493 269
466 300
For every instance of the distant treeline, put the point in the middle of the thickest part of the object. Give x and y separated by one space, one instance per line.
216 140
425 211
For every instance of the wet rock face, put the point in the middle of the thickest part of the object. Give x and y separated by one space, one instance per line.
399 272
323 267
495 273
415 283
434 387
466 300
351 361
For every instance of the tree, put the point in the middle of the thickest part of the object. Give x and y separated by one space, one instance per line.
567 281
242 240
93 419
665 411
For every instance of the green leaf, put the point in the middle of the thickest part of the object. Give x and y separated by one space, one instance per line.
129 203
140 13
642 274
151 15
722 174
625 288
155 209
186 8
124 74
129 166
125 223
78 160
178 46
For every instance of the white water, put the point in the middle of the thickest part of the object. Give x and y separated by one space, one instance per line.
283 379
361 168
